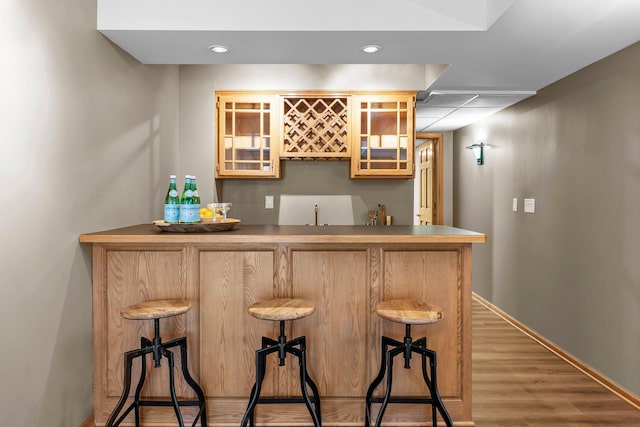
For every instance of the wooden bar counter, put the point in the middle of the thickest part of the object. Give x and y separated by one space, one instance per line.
345 270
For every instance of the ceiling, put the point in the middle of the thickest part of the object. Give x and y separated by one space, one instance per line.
497 52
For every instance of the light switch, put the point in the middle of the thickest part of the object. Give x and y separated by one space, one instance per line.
530 205
268 202
514 204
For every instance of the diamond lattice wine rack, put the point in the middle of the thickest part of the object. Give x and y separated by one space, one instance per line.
315 127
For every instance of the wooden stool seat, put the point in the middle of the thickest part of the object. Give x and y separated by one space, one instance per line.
282 309
408 312
156 309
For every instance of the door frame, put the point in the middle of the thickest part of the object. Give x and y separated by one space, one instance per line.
438 182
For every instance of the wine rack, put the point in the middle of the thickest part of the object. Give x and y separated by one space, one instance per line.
316 127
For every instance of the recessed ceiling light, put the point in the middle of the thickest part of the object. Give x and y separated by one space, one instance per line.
216 48
371 48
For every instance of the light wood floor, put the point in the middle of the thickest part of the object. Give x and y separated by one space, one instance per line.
518 382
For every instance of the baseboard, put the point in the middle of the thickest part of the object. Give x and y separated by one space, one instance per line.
601 379
88 422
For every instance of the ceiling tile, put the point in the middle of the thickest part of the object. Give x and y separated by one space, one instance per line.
435 100
422 111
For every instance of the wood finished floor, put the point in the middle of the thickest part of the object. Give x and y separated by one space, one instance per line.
518 382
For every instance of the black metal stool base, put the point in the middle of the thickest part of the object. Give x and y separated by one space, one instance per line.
296 347
159 350
392 348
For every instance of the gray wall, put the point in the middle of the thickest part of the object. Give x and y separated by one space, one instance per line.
318 178
571 271
89 136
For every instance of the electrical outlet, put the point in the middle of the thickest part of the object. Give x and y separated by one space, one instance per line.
530 205
514 204
268 202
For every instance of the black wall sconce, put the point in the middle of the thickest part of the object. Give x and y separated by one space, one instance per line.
478 151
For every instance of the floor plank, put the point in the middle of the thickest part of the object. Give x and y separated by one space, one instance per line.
519 383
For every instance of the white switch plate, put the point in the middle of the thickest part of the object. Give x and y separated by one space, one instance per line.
530 205
514 205
268 202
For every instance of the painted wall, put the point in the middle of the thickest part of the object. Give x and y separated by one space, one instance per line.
318 178
571 270
88 138
197 86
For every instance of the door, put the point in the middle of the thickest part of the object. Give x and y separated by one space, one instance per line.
429 179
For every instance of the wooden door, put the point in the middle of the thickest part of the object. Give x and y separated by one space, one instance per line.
430 179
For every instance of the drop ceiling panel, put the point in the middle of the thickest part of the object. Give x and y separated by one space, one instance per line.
497 100
446 124
473 112
422 111
422 123
449 100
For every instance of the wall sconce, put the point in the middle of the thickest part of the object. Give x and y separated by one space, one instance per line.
478 151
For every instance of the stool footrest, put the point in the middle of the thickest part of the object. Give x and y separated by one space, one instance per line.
293 399
168 403
399 399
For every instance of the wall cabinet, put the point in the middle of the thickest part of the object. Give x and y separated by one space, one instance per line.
255 130
247 135
384 128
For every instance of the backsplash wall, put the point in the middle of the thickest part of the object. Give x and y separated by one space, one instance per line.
316 177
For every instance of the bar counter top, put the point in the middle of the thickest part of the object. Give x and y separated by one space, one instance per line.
149 233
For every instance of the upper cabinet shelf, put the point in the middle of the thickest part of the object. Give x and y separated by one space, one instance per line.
256 129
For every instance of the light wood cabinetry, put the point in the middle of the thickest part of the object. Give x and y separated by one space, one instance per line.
344 271
247 135
383 126
374 130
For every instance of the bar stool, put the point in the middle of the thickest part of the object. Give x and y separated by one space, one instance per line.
281 310
407 312
156 310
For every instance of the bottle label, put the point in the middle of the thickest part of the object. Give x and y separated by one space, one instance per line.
171 213
195 193
189 214
173 193
189 193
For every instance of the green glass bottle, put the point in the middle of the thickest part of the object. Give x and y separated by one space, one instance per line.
172 202
186 200
196 199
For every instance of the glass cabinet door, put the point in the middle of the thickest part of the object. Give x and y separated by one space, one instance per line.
247 136
385 131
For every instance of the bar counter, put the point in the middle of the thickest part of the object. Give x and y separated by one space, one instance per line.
345 270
